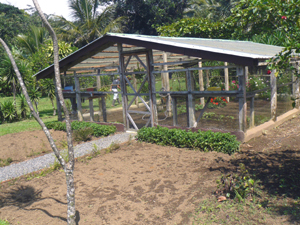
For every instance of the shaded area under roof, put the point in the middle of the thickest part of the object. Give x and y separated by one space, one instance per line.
239 52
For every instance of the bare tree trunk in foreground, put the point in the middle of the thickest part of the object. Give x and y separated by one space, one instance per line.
67 166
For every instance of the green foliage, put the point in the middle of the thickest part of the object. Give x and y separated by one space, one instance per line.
23 106
4 222
203 140
83 134
5 162
196 27
143 15
8 110
240 186
98 130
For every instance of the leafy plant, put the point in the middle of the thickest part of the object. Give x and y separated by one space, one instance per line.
98 130
4 222
240 186
83 134
9 113
5 162
23 106
202 140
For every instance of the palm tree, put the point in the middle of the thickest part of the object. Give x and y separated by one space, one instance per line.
211 9
33 41
8 74
49 88
89 22
35 96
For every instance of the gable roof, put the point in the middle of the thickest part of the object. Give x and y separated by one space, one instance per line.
239 52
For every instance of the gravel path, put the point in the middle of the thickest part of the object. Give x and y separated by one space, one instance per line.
35 164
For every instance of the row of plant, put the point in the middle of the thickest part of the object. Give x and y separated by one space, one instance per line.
97 129
202 140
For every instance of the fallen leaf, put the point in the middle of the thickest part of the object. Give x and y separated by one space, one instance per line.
221 198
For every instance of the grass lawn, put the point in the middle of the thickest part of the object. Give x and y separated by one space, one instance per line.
46 113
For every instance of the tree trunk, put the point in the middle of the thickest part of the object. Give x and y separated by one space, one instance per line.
53 107
69 167
36 106
15 100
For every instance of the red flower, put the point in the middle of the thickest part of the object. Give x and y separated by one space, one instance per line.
211 100
217 103
284 17
269 72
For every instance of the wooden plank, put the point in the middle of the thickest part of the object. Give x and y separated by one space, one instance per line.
252 113
226 77
123 87
175 63
91 105
166 85
78 97
135 52
141 62
273 95
151 78
132 121
190 101
201 83
242 100
174 106
203 110
194 68
103 109
139 112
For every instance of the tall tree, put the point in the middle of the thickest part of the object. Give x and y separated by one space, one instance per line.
144 15
67 166
89 23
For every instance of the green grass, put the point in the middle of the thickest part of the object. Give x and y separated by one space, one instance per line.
4 222
30 124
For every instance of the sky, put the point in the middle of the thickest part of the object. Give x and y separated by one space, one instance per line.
56 7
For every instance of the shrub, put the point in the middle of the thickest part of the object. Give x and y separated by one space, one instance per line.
83 134
98 130
203 140
9 111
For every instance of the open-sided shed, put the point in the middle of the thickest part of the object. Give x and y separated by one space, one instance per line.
127 56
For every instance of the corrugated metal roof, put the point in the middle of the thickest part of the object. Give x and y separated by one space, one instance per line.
231 47
102 51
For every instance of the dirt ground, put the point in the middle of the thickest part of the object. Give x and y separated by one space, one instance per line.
143 183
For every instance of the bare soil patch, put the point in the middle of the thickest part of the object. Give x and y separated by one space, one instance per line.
143 183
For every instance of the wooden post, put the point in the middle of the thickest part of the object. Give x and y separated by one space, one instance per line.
242 99
58 106
246 74
135 87
295 81
252 115
152 90
226 77
273 96
78 97
207 78
174 106
98 89
91 105
123 87
190 101
201 83
103 109
166 84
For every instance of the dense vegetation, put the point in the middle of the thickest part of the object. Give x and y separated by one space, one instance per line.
274 22
202 140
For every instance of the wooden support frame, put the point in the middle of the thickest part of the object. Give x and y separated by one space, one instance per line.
123 88
174 109
242 100
78 97
226 78
201 83
252 113
166 84
190 101
273 96
152 91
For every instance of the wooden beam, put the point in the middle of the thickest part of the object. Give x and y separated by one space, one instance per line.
103 109
190 101
78 97
273 85
174 106
226 77
91 105
166 85
201 83
252 113
151 79
123 87
242 100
